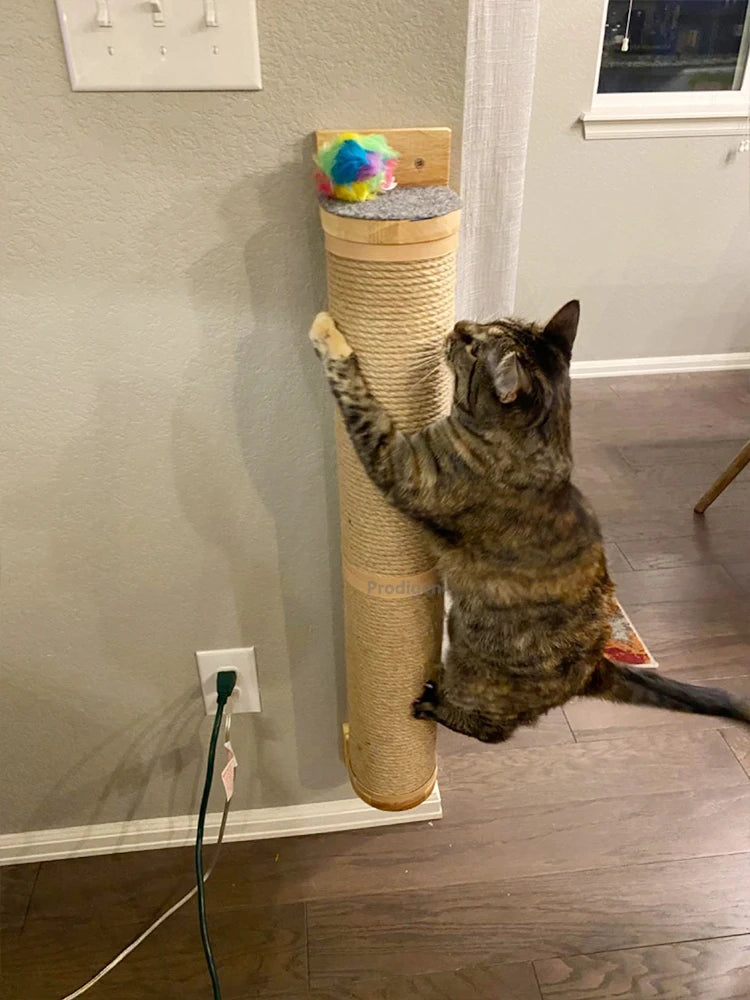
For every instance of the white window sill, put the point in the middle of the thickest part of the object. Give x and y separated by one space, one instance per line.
621 122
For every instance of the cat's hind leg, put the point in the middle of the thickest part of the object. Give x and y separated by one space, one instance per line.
469 722
425 705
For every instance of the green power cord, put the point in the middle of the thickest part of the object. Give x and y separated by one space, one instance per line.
225 682
224 686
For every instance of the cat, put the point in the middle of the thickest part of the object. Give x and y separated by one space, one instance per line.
518 547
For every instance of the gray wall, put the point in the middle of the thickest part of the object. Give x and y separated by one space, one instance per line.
168 471
652 234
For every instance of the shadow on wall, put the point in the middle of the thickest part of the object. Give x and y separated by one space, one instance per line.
162 745
275 393
107 608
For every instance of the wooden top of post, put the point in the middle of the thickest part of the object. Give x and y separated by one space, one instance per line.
424 161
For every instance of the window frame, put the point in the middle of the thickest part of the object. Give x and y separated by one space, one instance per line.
666 113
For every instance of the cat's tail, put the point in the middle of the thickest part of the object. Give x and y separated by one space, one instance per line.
632 686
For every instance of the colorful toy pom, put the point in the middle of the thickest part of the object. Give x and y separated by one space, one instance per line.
355 167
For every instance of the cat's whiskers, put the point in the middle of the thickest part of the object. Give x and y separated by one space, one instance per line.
429 374
426 350
428 362
426 355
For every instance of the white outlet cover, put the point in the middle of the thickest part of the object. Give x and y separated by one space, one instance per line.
211 661
129 50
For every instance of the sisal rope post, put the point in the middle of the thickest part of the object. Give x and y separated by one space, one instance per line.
391 291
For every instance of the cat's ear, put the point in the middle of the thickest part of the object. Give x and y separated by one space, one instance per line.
509 376
564 325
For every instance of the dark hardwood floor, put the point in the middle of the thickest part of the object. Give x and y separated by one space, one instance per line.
604 854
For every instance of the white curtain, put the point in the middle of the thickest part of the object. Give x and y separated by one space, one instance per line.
500 61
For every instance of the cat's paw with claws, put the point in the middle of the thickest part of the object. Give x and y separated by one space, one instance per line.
327 339
424 707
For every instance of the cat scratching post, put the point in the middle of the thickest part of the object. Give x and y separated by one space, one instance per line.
391 277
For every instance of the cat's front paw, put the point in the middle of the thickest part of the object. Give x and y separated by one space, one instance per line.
327 339
424 707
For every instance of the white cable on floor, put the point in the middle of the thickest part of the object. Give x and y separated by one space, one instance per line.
188 896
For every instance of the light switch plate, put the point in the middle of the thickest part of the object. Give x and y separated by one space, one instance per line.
122 44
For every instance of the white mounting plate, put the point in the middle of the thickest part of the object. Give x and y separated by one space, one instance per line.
246 695
183 53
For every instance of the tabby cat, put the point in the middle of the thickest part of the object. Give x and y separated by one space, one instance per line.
518 547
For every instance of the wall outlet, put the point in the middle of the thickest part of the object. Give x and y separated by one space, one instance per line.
246 696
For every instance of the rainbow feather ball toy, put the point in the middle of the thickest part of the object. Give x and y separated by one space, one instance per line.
355 167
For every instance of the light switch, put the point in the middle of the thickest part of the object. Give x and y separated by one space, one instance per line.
103 17
161 44
212 14
157 13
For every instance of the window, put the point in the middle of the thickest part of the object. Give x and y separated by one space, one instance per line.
678 61
678 46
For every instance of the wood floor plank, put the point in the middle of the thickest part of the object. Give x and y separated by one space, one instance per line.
593 720
551 730
646 764
519 920
119 888
680 477
259 951
686 621
718 387
739 743
740 572
654 453
486 982
624 522
602 833
598 463
16 885
707 582
598 389
707 661
648 434
616 561
696 640
656 483
593 834
701 546
137 887
704 970
637 491
530 811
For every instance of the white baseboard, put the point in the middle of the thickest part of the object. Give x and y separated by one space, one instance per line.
661 366
179 831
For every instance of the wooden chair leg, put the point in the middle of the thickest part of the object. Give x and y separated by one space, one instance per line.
733 469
